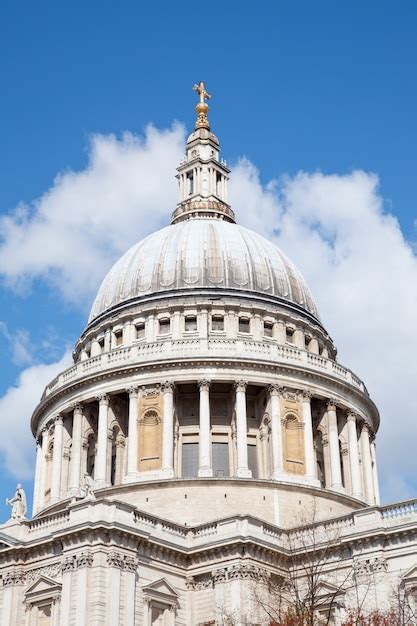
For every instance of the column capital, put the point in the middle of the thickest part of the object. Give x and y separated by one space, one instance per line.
204 385
103 398
331 404
305 395
240 385
365 428
133 391
58 419
276 390
168 386
77 407
352 417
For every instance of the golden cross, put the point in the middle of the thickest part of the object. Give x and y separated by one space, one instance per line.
200 88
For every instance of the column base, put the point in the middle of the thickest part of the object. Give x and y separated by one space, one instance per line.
131 477
338 487
243 472
167 472
101 484
278 475
205 472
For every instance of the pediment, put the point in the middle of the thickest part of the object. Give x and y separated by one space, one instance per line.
41 588
327 590
162 591
6 541
410 575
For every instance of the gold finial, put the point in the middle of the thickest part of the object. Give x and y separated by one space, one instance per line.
202 107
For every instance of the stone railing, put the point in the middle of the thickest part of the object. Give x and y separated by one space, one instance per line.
364 521
175 350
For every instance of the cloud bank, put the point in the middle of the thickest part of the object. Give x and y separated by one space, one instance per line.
361 270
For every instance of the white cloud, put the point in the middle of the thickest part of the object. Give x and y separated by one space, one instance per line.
363 275
16 407
360 269
73 233
20 344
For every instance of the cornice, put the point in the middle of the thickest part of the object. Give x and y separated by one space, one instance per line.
269 367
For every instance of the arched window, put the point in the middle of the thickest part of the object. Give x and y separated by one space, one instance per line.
150 441
294 444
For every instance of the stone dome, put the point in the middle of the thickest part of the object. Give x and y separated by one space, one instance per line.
207 254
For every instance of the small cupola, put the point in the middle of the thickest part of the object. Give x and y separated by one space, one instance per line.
202 175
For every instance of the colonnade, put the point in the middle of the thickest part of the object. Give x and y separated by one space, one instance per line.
359 449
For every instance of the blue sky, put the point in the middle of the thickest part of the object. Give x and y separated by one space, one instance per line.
318 87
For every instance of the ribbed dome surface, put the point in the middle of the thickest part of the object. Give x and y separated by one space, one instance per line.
202 253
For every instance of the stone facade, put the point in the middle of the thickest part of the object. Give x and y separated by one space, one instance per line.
204 442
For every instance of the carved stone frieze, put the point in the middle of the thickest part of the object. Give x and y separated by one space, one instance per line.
15 577
84 559
51 571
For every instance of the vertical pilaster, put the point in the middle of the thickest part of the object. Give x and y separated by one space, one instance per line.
367 465
38 477
168 431
375 473
242 470
276 432
42 487
76 449
204 446
84 562
57 459
310 462
355 469
100 469
333 435
132 437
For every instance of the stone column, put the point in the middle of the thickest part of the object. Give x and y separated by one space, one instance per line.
333 435
375 473
168 431
76 448
84 562
57 459
132 438
204 446
355 469
38 478
263 436
45 443
310 461
276 432
243 470
367 465
100 469
130 566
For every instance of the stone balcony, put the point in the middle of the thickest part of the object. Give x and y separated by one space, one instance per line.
166 351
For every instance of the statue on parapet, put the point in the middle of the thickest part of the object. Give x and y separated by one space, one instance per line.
18 504
86 491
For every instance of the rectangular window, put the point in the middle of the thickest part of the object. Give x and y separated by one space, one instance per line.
268 326
220 456
243 324
190 323
190 181
217 322
164 326
101 343
118 337
253 460
289 335
140 330
189 460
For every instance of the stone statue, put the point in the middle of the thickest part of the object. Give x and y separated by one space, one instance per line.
18 503
87 491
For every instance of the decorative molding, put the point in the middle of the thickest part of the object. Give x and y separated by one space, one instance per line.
204 385
84 559
168 386
68 564
15 577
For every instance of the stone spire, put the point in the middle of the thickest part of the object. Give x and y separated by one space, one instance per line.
202 175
